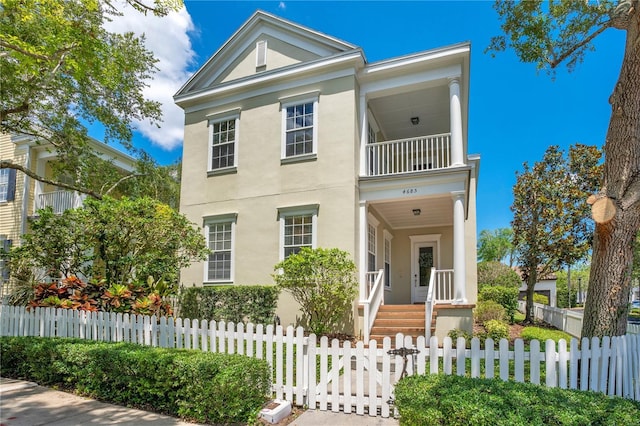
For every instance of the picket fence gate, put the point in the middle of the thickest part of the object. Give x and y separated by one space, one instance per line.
353 378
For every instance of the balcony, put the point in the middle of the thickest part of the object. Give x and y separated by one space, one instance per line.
409 155
59 201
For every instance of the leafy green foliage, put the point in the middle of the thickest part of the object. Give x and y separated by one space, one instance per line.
254 304
543 334
551 220
540 298
323 282
507 297
493 273
459 401
495 246
205 387
487 310
119 241
497 330
580 273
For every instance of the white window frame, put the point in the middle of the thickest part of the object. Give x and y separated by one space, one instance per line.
314 144
372 243
387 258
4 185
230 218
287 212
219 119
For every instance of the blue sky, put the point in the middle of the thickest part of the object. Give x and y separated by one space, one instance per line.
515 112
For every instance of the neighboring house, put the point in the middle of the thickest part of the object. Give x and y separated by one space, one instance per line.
293 139
546 286
21 196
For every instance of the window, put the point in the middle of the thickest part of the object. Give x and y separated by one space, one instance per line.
297 229
7 184
371 248
300 128
387 259
5 247
224 138
219 233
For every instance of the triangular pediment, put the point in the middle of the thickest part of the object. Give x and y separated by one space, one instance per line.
263 43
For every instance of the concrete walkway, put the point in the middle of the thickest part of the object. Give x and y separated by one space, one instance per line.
27 404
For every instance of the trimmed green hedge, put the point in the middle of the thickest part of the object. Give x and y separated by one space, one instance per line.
505 296
254 304
200 386
454 400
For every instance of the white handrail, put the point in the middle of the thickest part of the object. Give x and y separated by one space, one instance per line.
409 155
428 306
375 298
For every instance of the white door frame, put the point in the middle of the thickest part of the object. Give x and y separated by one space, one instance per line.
418 241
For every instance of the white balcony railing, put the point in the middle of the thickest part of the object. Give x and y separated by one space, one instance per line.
409 155
59 201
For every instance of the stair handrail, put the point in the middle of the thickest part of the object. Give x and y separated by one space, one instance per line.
428 305
372 304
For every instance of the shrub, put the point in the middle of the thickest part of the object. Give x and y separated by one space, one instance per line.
507 297
496 273
497 330
202 386
540 298
455 333
488 310
323 282
454 400
542 334
255 304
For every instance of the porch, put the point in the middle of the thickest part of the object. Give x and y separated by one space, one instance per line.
59 200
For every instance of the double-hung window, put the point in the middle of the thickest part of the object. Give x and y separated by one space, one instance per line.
372 242
223 145
220 232
300 128
297 229
387 259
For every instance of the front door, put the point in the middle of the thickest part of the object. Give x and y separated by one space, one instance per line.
423 259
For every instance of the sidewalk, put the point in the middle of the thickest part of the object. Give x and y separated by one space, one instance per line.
27 404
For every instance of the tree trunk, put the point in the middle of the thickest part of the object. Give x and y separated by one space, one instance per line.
607 301
532 278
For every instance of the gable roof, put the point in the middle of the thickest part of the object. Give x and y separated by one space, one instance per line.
260 24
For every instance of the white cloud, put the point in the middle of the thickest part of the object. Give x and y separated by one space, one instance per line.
168 38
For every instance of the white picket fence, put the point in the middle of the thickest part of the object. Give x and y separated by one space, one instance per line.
343 377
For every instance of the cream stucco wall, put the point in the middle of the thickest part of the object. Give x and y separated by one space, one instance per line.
262 184
279 54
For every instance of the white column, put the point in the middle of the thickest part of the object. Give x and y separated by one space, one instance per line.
455 112
363 135
459 261
362 270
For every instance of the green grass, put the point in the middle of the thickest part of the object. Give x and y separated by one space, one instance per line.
543 334
518 317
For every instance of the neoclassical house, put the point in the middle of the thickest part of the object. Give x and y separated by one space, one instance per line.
292 138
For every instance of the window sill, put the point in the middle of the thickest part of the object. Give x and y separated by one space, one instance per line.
387 288
299 159
225 171
216 283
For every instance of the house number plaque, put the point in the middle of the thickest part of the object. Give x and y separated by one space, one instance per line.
408 191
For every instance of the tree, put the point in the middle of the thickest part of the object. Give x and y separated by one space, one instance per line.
323 282
497 274
118 241
495 245
549 34
61 70
551 226
566 293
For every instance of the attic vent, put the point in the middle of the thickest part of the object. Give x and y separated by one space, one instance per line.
261 53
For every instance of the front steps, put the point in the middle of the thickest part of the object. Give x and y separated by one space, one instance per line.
406 319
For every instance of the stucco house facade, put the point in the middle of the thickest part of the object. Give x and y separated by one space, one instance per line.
292 138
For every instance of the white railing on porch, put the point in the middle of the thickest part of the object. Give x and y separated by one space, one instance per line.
409 155
356 378
375 298
59 201
428 305
443 289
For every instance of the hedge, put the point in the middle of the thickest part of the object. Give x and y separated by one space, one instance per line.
505 296
199 386
455 400
255 304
